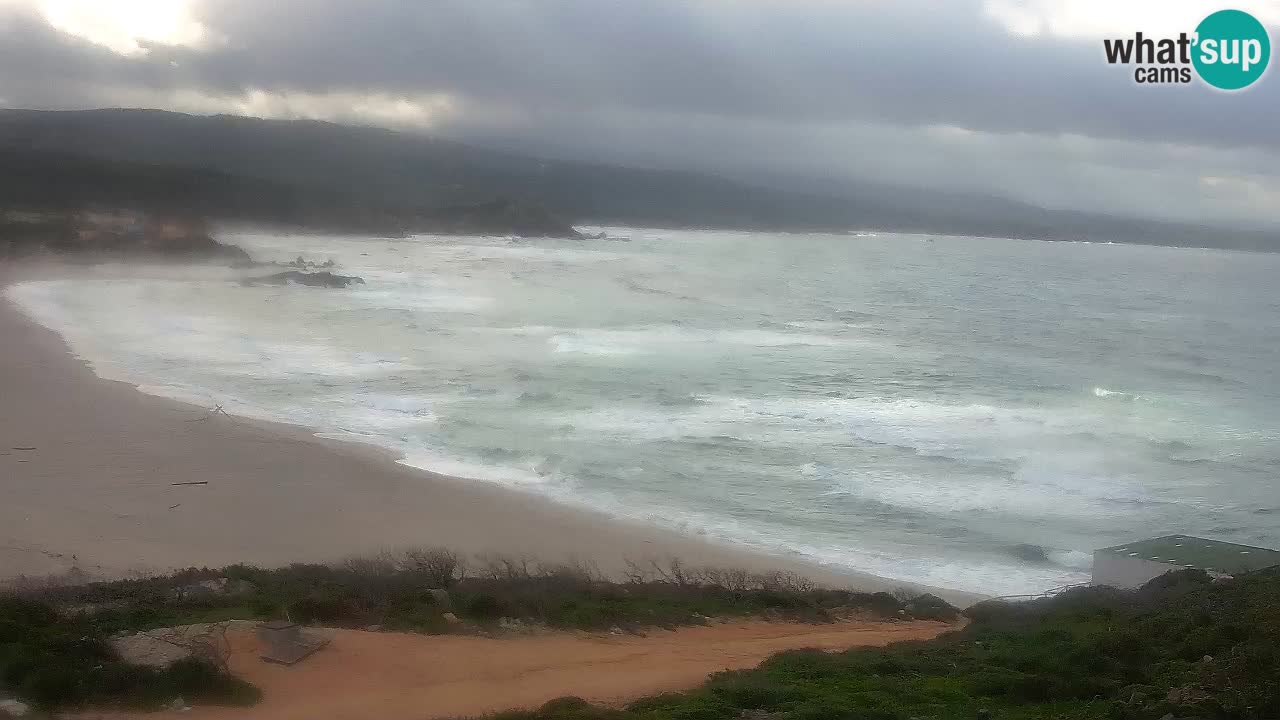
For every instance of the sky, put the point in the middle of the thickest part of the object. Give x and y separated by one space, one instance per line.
1003 97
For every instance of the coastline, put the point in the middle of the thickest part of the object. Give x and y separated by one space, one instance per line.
97 494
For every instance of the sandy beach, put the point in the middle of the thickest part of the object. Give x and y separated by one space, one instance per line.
90 471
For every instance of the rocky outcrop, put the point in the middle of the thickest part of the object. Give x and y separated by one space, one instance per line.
311 279
112 235
203 249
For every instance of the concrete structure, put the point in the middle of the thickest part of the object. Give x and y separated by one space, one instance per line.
285 643
1134 564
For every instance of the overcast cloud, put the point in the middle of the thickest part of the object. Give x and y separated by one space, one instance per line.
1010 97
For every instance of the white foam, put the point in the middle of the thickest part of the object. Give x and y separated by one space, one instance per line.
1102 392
973 431
968 573
1067 495
1076 559
381 413
425 300
534 473
673 339
804 435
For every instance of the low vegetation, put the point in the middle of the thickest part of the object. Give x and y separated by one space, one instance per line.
394 592
53 659
1184 646
54 648
1181 647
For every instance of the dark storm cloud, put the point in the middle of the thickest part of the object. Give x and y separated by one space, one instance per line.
839 86
915 62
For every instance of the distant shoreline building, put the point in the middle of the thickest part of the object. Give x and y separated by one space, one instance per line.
1134 564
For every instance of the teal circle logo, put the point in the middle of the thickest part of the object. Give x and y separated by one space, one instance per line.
1232 49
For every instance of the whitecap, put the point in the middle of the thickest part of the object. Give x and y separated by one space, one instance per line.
1102 392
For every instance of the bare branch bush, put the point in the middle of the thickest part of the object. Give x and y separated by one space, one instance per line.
506 567
380 564
442 567
582 571
636 573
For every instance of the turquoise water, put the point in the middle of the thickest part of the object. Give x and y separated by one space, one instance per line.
920 408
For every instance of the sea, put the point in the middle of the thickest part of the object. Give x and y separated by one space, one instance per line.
969 413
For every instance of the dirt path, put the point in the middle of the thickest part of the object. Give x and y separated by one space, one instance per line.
413 677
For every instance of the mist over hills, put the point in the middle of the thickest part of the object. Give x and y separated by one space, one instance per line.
326 175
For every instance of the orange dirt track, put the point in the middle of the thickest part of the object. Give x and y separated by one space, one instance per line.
393 676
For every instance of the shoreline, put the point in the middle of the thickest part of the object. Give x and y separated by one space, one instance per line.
97 493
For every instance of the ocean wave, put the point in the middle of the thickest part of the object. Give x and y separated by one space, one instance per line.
533 397
679 400
1071 494
576 343
963 430
1016 462
632 285
855 316
666 339
825 424
1183 453
1040 555
420 300
1076 559
529 252
532 473
1102 392
104 320
831 328
971 572
518 330
377 412
959 431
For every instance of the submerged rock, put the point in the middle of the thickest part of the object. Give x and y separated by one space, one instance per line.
312 279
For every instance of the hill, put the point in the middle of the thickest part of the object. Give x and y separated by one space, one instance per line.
58 182
370 176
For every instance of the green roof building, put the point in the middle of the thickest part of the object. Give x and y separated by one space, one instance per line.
1133 564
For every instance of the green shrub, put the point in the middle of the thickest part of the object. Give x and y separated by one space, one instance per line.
323 606
486 606
54 661
1089 653
751 691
